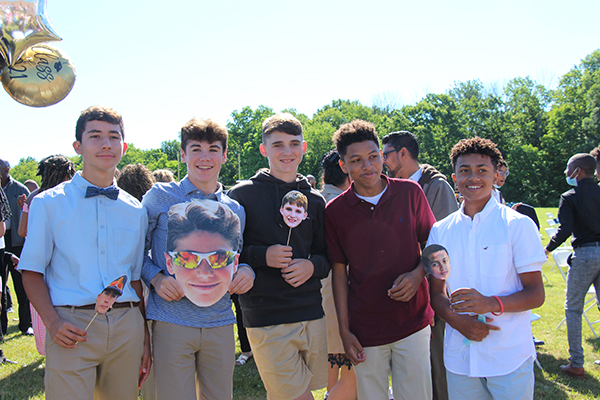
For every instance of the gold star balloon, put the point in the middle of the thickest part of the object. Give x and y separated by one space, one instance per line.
44 75
23 23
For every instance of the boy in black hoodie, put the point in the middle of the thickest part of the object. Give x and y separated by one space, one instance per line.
283 312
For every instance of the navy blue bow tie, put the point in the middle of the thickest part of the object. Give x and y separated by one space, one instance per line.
111 192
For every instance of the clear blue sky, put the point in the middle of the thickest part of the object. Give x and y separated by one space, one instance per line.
162 63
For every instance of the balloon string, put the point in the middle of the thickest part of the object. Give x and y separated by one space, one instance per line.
86 328
289 235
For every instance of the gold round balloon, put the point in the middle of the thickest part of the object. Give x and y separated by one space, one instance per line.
44 75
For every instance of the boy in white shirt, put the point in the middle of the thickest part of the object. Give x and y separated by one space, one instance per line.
497 257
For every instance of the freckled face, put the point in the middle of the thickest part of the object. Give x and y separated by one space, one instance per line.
203 286
293 215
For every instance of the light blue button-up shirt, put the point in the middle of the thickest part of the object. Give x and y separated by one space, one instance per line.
81 245
183 312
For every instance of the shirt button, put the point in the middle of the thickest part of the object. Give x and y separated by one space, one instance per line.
101 226
372 208
102 252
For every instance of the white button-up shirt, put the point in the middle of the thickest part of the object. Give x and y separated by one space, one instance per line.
487 253
81 245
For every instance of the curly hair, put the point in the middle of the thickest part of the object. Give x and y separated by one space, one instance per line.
354 132
163 175
54 170
98 113
476 145
203 131
135 179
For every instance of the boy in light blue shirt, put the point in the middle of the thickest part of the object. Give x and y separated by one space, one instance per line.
83 234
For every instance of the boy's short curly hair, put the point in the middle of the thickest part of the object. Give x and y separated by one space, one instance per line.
476 145
135 179
203 130
354 132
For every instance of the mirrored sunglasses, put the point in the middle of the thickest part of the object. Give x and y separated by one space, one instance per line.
192 260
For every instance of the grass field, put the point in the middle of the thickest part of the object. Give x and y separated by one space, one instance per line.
24 380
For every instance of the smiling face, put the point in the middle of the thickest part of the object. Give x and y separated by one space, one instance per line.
203 286
284 152
474 174
203 161
101 147
292 214
439 263
105 301
364 165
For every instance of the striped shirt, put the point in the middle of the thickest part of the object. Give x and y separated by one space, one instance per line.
157 202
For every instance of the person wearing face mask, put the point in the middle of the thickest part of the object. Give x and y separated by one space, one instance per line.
579 215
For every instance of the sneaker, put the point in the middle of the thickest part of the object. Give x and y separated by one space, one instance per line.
28 332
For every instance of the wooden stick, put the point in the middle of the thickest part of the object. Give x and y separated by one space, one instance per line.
289 236
86 328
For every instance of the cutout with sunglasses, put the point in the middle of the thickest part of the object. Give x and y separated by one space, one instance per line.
203 237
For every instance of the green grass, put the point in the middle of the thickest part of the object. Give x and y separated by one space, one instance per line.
25 379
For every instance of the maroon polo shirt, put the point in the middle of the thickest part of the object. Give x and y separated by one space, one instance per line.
378 243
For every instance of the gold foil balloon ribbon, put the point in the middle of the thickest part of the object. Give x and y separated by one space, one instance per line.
44 75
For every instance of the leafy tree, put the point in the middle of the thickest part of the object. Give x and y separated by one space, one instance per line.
172 149
25 169
245 136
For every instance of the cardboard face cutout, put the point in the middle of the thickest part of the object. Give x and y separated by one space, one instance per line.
203 239
436 261
109 295
294 208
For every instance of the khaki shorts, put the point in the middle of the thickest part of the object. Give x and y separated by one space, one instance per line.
290 357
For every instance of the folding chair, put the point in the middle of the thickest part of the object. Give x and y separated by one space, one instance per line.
551 222
560 260
594 303
551 231
535 317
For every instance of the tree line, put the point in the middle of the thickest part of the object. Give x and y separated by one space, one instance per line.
536 128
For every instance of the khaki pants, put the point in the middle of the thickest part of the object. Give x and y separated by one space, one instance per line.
193 363
290 357
107 366
408 362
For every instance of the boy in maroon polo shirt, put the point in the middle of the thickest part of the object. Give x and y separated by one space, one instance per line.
375 232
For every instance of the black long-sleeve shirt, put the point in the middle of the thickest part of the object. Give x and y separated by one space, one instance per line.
579 215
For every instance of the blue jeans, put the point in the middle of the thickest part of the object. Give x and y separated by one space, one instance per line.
584 271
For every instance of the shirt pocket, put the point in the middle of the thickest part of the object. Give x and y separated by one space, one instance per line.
495 260
125 244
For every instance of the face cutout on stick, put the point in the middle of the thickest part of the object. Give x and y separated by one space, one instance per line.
203 239
109 295
294 208
436 261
